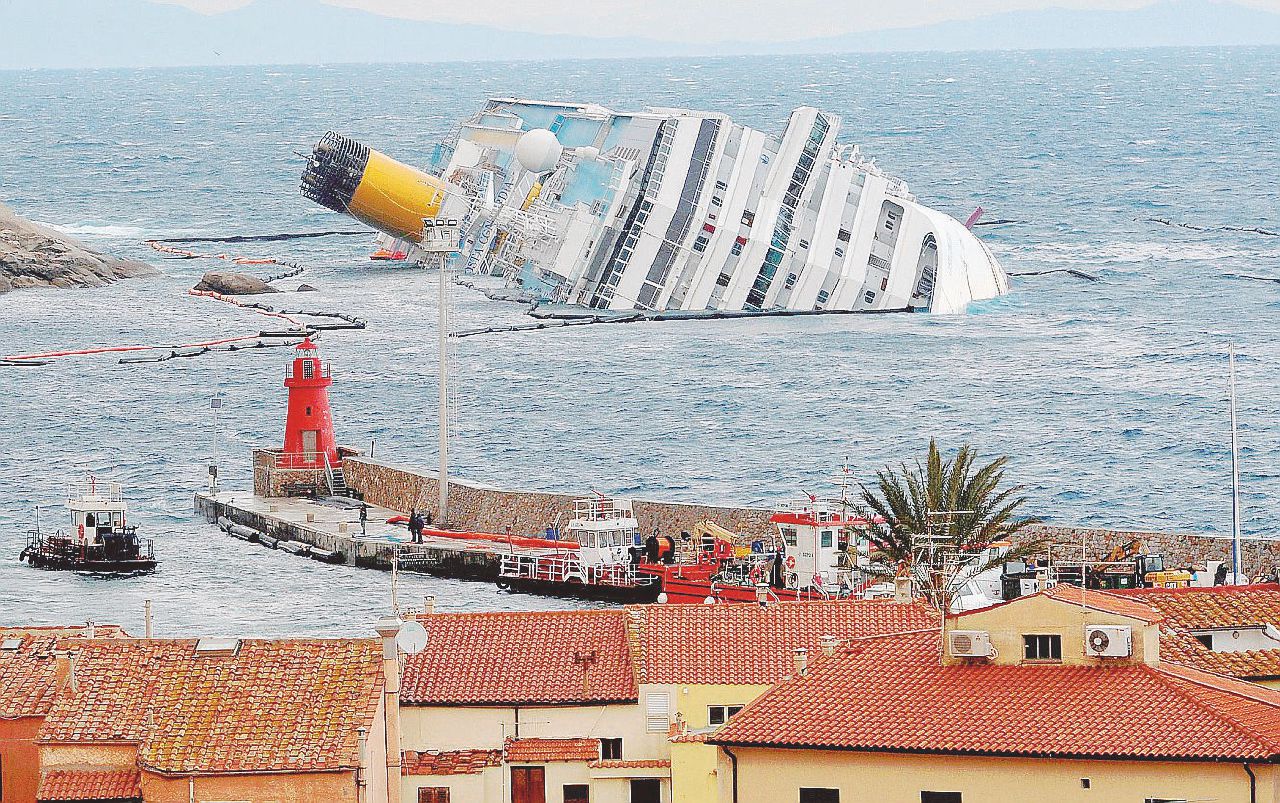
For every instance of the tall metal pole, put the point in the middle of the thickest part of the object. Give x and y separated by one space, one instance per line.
443 518
1235 471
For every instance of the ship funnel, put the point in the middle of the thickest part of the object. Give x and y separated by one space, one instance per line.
350 177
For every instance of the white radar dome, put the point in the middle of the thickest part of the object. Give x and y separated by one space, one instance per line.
538 150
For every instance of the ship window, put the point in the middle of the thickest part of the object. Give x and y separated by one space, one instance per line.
840 252
748 218
723 280
870 296
700 244
736 250
884 283
789 535
826 538
89 520
791 281
844 236
716 200
720 185
823 295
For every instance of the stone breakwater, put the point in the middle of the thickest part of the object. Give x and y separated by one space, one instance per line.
478 507
32 255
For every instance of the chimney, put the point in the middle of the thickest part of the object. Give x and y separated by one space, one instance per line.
902 589
62 668
802 661
89 630
829 644
362 747
429 604
387 628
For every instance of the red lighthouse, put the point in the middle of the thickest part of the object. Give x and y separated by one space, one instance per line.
308 429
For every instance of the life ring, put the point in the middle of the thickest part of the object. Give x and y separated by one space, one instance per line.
757 574
791 561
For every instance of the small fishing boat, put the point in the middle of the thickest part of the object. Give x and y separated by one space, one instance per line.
100 539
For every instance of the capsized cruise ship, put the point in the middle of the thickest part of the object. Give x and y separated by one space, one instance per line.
665 209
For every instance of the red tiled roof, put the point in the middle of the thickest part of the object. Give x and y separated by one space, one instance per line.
893 695
691 737
541 751
449 762
89 785
1188 609
291 705
1105 601
521 658
748 643
629 764
28 675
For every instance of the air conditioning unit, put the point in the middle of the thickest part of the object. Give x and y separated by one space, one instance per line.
1108 641
969 644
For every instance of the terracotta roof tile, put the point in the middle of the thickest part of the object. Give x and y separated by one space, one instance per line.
28 674
1105 601
273 705
892 694
450 762
89 785
541 751
525 658
747 643
1216 607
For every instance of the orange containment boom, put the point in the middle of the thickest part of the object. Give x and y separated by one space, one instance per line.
373 188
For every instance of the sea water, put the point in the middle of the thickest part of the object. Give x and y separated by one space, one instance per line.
1110 397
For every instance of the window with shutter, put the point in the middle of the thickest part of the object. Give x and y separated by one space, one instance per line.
657 712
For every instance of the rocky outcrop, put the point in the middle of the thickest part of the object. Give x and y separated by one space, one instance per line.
32 255
230 283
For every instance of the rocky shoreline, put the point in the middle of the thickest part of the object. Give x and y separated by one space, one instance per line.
32 255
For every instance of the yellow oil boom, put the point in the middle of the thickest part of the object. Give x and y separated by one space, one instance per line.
347 176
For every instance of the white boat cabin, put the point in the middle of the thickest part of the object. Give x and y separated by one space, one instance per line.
605 530
815 539
96 511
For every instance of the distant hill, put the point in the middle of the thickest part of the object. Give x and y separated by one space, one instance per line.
137 33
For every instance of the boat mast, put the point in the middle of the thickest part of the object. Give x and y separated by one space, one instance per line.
443 326
1235 469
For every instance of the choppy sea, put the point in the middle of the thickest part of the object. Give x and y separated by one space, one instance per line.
1110 396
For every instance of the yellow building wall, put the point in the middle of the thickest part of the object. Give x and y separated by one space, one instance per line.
692 701
694 773
426 728
776 776
483 787
331 787
1042 615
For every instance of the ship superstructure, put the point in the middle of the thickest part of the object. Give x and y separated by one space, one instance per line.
673 209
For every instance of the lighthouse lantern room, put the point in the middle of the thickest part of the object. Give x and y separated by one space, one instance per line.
308 429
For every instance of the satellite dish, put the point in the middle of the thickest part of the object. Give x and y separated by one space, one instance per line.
662 600
709 601
538 150
412 638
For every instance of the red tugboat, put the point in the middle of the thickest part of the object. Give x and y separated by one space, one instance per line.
809 558
100 541
599 559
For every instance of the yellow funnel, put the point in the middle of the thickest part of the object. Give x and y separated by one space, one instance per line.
375 189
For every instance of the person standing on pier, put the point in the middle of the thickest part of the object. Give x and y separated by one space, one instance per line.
415 526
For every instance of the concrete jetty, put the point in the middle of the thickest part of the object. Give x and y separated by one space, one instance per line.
335 528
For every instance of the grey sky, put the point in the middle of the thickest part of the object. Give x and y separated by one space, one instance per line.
701 20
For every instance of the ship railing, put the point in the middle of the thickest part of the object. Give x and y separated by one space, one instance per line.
110 491
568 569
324 372
317 460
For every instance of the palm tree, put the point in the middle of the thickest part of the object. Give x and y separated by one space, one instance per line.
957 508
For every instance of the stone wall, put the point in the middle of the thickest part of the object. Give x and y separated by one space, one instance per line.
481 508
1180 550
271 480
